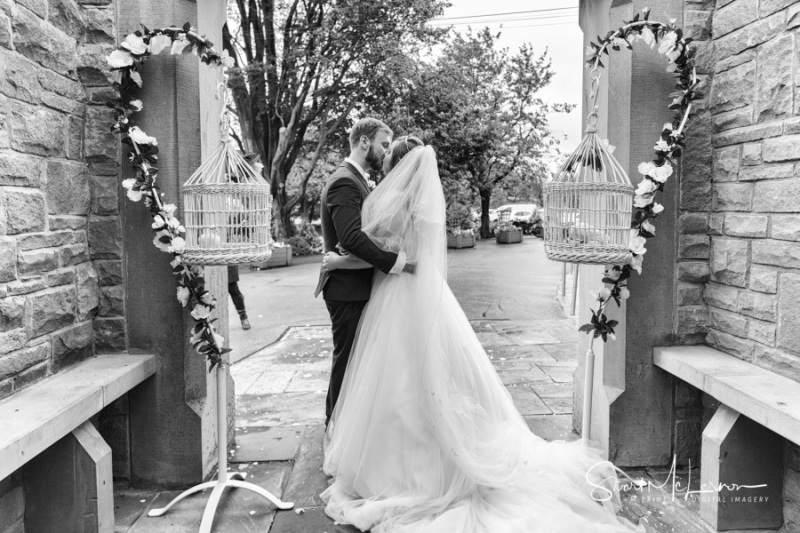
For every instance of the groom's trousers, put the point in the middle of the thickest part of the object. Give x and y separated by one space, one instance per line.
344 322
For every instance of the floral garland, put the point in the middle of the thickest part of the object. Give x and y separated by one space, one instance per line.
125 63
671 43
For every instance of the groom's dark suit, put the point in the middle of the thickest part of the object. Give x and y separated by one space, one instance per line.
346 291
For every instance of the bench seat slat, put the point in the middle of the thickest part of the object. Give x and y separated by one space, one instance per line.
770 399
40 415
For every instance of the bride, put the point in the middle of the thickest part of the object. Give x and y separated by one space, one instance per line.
425 437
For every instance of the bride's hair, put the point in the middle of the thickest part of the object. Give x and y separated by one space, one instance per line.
401 146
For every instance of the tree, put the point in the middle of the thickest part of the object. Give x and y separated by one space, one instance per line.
304 64
479 106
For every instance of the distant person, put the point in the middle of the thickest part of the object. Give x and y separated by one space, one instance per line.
236 295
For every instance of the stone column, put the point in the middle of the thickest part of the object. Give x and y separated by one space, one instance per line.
632 398
173 415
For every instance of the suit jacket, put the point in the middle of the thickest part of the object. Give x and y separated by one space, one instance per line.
341 200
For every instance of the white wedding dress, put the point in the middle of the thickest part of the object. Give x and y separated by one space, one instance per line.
424 436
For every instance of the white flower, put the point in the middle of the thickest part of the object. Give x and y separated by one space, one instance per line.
589 53
158 43
648 37
140 137
648 227
163 246
663 172
158 222
227 60
647 169
183 295
643 200
134 195
136 105
609 147
667 126
657 208
178 45
636 263
175 225
675 54
176 262
661 146
605 293
135 44
218 339
178 244
120 59
169 209
646 186
624 293
637 243
200 311
371 184
668 42
128 183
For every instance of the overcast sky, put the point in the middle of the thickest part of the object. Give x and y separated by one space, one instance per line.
556 31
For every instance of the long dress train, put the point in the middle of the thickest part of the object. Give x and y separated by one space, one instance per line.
425 438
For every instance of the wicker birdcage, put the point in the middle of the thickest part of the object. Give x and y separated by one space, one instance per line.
587 207
227 208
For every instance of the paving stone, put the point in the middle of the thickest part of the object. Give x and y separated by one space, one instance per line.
129 506
283 409
266 444
525 376
553 390
552 427
308 480
309 381
526 400
312 520
240 511
559 406
269 383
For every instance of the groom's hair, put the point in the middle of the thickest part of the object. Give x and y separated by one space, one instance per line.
368 127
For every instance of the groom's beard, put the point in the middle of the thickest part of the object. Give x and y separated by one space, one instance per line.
375 162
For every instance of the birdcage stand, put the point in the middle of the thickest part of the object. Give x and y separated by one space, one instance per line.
224 479
205 250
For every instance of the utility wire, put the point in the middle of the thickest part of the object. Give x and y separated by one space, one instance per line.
507 13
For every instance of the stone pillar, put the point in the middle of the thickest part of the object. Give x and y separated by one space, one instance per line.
631 407
173 415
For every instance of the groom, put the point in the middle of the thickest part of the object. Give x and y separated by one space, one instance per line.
346 291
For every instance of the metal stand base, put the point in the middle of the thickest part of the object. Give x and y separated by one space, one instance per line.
225 479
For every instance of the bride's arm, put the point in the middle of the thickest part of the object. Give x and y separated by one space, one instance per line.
334 261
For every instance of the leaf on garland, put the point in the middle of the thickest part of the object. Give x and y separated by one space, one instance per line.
187 27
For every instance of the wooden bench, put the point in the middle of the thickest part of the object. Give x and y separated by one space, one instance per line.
71 480
743 442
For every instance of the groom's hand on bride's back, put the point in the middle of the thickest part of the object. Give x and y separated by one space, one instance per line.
410 267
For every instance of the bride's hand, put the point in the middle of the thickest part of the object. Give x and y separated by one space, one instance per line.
330 261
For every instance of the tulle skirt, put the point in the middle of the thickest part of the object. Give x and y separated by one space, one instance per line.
426 438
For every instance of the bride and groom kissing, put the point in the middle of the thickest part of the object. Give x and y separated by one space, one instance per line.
421 433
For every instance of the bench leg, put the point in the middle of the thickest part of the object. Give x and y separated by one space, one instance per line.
69 486
737 451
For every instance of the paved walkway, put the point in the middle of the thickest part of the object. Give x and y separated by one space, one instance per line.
509 294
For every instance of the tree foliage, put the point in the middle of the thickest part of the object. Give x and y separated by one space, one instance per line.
479 106
306 65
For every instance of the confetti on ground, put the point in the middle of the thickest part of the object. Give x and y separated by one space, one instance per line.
299 510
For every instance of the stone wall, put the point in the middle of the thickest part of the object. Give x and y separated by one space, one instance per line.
739 242
60 237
